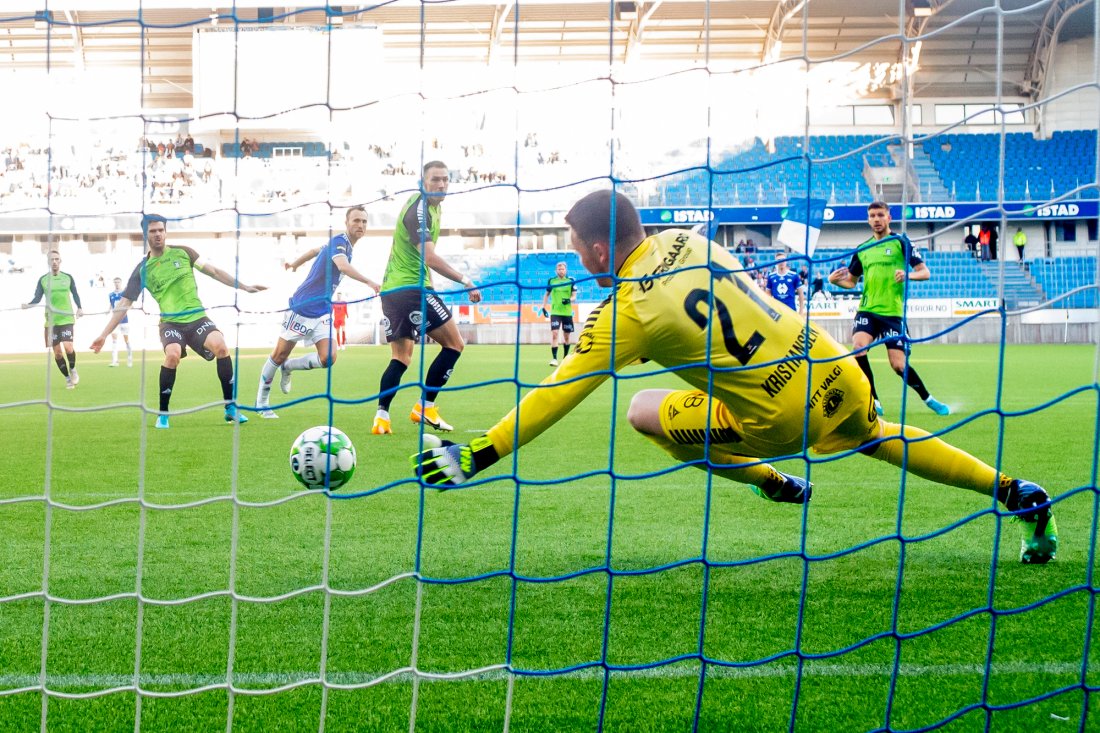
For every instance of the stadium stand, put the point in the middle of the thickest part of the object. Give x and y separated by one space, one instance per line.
270 149
1060 275
1035 169
834 167
949 167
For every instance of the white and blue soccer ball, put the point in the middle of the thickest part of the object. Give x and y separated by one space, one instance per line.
322 458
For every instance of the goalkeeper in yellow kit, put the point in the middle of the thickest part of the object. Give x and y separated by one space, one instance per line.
764 383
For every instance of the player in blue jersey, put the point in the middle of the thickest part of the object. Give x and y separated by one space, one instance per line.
309 318
123 327
785 285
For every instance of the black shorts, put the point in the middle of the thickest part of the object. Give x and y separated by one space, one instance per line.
402 316
191 334
565 323
55 335
889 329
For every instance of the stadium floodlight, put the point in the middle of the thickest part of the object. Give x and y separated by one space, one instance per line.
921 8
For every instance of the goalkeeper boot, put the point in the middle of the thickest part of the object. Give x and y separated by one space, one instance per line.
162 422
269 414
1039 536
430 417
381 426
75 377
234 415
284 379
794 490
936 406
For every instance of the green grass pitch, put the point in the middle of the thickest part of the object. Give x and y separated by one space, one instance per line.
891 633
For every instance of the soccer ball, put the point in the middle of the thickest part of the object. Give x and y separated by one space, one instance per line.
322 458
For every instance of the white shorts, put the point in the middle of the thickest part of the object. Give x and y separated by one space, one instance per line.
123 328
307 330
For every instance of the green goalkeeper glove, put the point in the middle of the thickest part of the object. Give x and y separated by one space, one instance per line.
445 464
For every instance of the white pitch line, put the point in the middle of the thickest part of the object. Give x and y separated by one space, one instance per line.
679 670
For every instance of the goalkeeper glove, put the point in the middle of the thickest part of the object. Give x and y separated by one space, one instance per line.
545 313
445 464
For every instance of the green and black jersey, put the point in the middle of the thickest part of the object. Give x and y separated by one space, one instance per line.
406 266
170 279
57 289
561 290
877 261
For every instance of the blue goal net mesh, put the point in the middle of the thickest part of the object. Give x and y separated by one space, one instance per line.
181 577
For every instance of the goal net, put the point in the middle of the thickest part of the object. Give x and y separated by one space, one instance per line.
181 579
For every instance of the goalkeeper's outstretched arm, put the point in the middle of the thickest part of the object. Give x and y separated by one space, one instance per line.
450 464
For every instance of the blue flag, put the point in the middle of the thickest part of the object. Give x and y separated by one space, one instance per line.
801 225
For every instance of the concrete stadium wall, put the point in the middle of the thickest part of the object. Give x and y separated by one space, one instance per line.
1073 65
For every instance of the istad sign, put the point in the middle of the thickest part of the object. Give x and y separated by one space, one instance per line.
930 212
687 216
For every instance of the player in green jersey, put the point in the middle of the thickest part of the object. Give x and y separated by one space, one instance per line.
886 262
57 287
763 382
411 308
168 273
561 291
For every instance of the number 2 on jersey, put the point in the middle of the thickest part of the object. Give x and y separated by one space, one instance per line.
742 352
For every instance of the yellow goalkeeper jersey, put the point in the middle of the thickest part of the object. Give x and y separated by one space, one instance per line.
683 301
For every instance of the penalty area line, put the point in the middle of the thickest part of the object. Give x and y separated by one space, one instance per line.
680 670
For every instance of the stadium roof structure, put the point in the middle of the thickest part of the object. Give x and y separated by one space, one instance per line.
957 51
